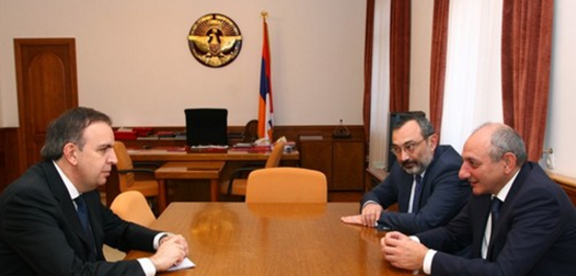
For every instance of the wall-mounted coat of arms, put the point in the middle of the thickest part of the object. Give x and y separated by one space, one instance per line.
215 40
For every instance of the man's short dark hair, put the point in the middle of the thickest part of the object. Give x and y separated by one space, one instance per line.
69 128
426 128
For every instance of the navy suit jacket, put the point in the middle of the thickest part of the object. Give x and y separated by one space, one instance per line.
40 232
443 194
535 233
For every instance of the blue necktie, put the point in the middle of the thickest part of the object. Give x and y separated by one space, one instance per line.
83 216
495 209
417 191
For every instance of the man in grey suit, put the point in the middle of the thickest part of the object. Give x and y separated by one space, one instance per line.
52 219
519 222
424 182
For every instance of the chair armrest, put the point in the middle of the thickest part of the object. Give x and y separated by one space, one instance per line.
236 175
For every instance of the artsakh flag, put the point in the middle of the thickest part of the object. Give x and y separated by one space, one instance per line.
265 109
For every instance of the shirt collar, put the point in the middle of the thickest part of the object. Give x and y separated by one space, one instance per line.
72 191
503 193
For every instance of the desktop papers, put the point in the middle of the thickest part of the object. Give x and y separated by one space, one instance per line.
186 263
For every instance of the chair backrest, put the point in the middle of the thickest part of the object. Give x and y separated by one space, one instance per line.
286 185
275 156
132 206
124 163
206 126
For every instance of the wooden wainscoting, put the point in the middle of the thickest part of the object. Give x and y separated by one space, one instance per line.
567 183
10 167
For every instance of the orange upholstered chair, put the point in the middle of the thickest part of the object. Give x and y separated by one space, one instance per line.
132 206
134 179
237 183
286 185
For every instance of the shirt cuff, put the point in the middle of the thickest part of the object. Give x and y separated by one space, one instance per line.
157 238
147 266
369 202
427 266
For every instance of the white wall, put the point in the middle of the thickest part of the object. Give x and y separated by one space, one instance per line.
561 130
421 47
134 63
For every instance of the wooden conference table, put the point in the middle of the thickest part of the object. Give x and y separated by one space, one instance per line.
273 239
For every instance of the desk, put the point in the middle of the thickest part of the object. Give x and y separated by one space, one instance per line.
273 239
188 170
164 155
233 160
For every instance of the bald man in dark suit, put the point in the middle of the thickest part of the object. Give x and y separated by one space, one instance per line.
519 222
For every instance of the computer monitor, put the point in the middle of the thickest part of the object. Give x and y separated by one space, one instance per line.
393 119
206 126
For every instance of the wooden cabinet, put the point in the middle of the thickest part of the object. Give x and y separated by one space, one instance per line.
342 161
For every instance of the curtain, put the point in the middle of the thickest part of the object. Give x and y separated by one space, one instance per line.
368 45
526 51
473 87
438 61
380 96
400 55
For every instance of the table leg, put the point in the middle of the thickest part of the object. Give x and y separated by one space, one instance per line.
162 195
214 190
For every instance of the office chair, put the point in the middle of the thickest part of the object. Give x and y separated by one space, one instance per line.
132 206
238 182
286 185
134 179
206 126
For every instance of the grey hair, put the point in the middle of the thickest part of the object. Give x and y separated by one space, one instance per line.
505 139
69 128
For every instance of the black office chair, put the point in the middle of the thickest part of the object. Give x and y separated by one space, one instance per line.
206 126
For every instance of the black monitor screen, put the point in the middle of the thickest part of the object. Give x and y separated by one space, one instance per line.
206 126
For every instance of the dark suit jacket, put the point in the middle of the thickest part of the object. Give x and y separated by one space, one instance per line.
535 233
443 194
40 232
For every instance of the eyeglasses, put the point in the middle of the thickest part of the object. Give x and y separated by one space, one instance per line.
408 148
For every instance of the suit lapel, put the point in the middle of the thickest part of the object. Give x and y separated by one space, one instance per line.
500 230
404 190
61 194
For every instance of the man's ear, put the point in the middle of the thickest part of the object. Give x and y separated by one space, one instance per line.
509 162
70 152
433 141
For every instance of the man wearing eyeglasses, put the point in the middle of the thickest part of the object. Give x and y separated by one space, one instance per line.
424 182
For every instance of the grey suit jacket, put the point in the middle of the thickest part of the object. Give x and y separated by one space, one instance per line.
443 194
40 232
535 233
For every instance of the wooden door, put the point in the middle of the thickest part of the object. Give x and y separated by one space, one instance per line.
47 86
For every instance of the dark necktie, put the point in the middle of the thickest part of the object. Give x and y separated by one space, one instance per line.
417 191
495 209
83 216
